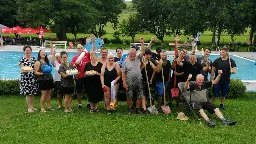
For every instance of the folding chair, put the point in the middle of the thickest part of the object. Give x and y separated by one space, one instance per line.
187 96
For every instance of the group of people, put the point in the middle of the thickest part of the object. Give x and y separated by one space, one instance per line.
140 71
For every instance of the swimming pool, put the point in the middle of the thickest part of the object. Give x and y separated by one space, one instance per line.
9 68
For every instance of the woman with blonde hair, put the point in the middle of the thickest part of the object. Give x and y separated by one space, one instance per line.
110 72
92 81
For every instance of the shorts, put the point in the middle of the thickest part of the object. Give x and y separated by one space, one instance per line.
57 86
46 84
160 88
209 107
135 90
145 89
222 87
67 90
80 85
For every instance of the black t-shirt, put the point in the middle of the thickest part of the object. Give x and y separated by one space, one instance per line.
206 85
179 69
223 65
149 71
191 69
166 70
116 59
156 56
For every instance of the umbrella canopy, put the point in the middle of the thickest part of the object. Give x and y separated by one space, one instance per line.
27 31
17 29
43 29
7 30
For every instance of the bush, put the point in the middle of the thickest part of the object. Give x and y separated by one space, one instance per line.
9 87
106 41
237 89
116 41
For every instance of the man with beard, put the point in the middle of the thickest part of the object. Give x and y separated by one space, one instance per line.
131 76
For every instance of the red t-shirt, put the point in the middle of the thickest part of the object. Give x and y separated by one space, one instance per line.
81 65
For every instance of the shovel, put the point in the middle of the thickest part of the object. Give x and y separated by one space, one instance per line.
152 109
166 109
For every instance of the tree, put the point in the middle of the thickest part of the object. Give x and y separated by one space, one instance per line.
130 27
8 10
75 15
152 17
108 12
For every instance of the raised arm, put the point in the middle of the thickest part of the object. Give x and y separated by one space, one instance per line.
142 47
93 44
151 43
186 86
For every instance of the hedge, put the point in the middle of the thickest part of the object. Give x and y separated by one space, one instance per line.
11 87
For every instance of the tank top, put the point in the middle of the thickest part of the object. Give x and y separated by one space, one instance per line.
57 76
109 76
44 76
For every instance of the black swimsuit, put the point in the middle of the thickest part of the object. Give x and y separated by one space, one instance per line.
109 76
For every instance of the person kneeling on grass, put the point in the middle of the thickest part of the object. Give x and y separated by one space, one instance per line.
67 82
200 85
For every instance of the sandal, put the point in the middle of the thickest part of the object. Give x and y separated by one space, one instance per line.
43 110
31 111
92 111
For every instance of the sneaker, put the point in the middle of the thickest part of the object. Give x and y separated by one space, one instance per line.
79 106
211 124
138 111
130 111
222 106
109 112
229 122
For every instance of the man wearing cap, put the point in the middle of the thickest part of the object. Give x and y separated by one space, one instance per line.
131 76
202 86
148 66
228 67
80 67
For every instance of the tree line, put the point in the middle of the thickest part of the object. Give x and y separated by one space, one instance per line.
188 17
160 17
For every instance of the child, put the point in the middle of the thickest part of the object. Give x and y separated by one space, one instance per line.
67 81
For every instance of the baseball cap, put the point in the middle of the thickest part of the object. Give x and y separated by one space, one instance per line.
57 54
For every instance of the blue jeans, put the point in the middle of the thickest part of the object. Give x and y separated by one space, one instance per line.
160 89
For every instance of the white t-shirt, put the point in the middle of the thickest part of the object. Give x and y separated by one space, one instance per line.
57 76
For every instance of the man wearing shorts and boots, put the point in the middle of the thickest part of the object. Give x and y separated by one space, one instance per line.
228 66
202 86
131 76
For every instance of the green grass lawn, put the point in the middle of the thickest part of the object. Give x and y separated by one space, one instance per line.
16 126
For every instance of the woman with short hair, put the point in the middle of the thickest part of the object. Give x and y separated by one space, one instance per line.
93 85
28 81
110 72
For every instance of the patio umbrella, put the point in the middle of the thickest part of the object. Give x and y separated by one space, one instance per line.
17 29
7 30
27 31
43 29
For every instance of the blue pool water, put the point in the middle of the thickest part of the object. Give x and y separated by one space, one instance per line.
9 68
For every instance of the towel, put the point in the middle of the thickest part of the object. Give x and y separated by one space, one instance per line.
113 94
